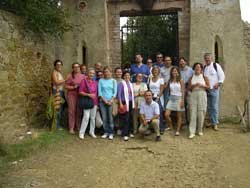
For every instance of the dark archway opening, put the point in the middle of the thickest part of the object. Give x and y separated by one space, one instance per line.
148 35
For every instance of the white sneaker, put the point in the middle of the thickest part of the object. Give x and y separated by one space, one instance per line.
200 133
177 133
125 138
191 136
105 136
92 135
81 136
111 137
131 136
119 132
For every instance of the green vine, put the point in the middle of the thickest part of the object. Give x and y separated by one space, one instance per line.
43 17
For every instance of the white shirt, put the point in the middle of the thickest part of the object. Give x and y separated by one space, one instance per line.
175 89
198 79
213 76
155 86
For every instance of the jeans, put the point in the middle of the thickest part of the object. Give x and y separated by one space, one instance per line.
107 118
127 121
59 115
162 125
213 106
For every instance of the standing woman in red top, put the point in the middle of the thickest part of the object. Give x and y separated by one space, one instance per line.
72 85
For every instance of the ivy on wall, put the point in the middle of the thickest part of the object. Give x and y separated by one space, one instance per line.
43 17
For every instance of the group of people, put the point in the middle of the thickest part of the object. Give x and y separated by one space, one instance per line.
141 99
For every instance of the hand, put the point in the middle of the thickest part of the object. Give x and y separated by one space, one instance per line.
136 94
145 122
91 95
216 86
109 103
182 103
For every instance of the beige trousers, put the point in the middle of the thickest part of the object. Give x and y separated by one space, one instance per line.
198 107
155 124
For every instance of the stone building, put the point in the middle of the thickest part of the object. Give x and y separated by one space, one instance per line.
203 25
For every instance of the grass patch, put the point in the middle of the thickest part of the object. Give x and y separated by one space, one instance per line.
14 152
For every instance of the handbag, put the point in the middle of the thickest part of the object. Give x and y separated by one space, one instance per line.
98 119
123 109
86 102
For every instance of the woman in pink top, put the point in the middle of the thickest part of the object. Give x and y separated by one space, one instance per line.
89 88
72 85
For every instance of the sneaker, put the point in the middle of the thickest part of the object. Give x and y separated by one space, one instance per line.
216 128
168 129
119 132
125 138
92 135
200 133
158 138
111 137
81 136
131 136
72 132
161 132
105 136
177 133
191 136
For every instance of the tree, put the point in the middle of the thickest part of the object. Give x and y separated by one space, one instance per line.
43 17
150 34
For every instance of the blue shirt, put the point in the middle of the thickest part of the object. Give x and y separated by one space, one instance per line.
143 69
156 64
186 73
107 88
149 111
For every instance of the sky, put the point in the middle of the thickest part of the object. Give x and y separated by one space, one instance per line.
245 10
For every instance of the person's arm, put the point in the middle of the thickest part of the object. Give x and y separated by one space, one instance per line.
115 90
55 79
67 84
207 84
221 76
120 91
84 87
161 88
100 83
190 86
182 92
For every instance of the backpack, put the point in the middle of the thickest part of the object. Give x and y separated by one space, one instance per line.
214 64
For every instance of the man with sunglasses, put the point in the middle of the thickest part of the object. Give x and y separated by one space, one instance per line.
159 60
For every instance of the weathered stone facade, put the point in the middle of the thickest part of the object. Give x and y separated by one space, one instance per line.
247 46
24 66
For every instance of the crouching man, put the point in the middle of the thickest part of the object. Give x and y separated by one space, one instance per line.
150 114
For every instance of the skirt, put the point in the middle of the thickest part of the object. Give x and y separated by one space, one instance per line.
174 104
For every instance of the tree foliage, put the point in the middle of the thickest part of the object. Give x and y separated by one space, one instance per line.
148 35
45 17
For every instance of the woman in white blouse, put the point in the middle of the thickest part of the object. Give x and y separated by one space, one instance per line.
156 85
139 90
176 98
197 84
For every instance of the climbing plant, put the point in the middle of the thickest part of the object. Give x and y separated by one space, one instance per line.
43 17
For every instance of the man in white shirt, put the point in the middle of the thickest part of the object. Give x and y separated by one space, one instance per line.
216 78
150 114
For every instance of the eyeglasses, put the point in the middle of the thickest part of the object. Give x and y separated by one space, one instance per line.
76 66
158 57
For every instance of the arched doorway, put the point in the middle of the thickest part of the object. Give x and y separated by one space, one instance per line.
218 51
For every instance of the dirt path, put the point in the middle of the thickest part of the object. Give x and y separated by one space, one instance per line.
218 159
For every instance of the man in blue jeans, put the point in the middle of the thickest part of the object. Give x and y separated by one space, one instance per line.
216 78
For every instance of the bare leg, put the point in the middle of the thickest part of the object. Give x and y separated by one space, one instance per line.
179 121
168 118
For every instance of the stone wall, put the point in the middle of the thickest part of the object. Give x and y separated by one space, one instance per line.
89 31
222 20
247 46
24 79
